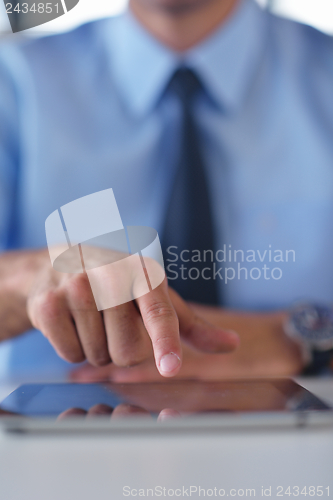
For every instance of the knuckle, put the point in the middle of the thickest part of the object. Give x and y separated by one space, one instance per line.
99 359
96 351
133 355
79 292
72 356
67 348
157 311
163 341
126 360
47 308
123 316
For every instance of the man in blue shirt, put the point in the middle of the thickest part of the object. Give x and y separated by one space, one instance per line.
87 110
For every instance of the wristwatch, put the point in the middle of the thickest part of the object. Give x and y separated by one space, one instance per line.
311 326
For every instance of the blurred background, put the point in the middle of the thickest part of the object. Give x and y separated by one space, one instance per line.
317 13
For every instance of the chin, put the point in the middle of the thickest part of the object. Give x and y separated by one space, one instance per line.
175 6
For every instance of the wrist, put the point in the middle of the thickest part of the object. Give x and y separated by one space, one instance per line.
18 271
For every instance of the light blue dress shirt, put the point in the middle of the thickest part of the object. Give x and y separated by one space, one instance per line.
86 110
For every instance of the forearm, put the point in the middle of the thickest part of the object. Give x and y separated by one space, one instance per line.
17 274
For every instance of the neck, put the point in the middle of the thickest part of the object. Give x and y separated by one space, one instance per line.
181 24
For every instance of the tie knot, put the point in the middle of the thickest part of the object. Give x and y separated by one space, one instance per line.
185 83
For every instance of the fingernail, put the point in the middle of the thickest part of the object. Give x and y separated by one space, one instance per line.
169 363
234 335
168 414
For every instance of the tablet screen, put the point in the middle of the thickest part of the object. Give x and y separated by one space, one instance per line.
167 399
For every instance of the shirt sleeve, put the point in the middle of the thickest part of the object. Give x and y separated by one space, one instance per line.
9 151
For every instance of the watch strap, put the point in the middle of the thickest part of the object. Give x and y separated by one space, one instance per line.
321 363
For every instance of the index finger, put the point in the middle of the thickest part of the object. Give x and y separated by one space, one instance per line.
161 322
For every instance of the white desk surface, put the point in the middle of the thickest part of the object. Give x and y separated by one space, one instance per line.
98 467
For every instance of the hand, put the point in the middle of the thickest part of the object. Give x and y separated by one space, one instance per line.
63 308
264 351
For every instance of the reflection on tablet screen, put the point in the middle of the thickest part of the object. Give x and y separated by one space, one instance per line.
162 400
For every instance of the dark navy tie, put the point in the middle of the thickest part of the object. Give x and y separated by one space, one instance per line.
188 221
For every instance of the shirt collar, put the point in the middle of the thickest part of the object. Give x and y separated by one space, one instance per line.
141 66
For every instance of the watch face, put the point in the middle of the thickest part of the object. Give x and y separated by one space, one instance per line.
314 324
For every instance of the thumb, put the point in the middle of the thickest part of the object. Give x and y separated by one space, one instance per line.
200 333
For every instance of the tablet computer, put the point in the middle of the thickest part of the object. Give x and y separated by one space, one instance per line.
181 404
